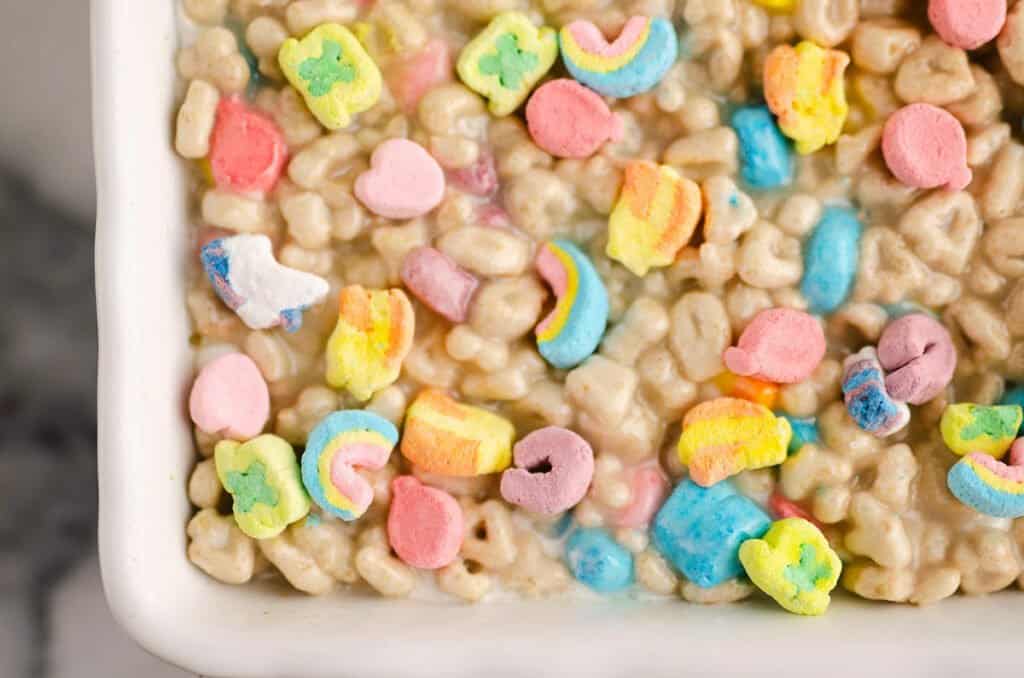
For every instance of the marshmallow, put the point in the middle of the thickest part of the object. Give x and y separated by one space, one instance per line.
448 438
919 356
780 344
425 525
230 398
403 182
263 293
568 120
634 62
263 478
333 72
924 146
554 467
725 436
373 335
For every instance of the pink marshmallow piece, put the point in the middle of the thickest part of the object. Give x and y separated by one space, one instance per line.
570 121
782 345
425 524
412 77
479 178
924 146
230 398
967 24
919 357
247 150
436 280
648 489
403 182
554 467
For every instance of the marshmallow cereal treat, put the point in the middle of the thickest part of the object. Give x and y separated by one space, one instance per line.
698 300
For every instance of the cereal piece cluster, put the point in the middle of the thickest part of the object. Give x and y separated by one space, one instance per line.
621 334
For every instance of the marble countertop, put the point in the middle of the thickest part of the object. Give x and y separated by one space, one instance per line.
53 616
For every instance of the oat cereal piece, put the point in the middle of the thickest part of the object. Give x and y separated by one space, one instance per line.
247 150
967 24
215 58
780 344
570 121
425 525
333 72
446 437
728 211
229 398
866 398
918 354
699 530
765 158
403 182
596 560
653 218
219 548
985 429
803 86
373 336
573 330
831 255
794 564
196 118
553 471
261 291
724 436
263 477
341 443
507 59
634 62
925 147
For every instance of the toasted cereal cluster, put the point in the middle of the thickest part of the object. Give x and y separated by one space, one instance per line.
695 297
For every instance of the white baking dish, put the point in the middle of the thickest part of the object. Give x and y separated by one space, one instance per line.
178 613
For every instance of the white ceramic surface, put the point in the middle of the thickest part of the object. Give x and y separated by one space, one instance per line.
176 612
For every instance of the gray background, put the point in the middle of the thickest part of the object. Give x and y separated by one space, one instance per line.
53 618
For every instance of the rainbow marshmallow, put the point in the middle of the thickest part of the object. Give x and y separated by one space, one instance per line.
634 62
988 485
572 331
340 443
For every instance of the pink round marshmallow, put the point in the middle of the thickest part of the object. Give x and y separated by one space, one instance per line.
967 24
648 489
925 147
230 398
425 524
247 150
570 121
403 182
554 467
782 345
919 357
441 284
